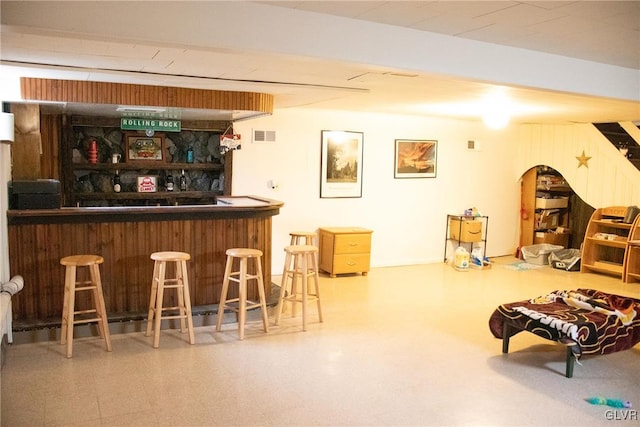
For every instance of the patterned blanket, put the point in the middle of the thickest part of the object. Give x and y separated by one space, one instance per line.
599 323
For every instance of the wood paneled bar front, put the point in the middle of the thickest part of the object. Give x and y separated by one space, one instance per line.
126 237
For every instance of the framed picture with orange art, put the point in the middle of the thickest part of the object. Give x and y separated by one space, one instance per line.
415 158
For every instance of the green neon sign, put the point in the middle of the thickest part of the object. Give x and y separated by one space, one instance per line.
134 123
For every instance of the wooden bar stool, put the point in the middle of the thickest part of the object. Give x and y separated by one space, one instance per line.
159 283
71 286
242 277
296 265
303 238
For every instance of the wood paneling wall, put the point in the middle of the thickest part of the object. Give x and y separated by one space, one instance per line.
35 252
86 92
51 131
27 148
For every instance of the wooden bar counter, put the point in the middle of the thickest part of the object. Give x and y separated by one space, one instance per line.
126 237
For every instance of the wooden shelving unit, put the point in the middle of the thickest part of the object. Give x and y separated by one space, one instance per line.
455 232
91 184
606 242
632 260
545 200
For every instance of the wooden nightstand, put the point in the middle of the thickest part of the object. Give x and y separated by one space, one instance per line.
345 250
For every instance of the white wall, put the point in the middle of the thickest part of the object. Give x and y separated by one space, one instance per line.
408 216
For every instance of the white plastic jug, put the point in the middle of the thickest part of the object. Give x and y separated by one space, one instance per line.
461 260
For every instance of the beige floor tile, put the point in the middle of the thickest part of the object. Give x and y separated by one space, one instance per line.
403 346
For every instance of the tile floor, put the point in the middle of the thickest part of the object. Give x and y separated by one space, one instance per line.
403 346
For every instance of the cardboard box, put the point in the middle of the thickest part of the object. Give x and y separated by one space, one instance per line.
561 239
547 220
560 202
465 230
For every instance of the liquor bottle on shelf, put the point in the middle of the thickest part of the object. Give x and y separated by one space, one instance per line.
190 155
169 183
116 183
183 182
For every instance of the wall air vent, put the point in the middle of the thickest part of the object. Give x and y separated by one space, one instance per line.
264 135
473 145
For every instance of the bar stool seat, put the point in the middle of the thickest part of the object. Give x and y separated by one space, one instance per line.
71 285
159 283
301 261
242 277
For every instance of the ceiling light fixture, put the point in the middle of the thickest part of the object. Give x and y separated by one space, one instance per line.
496 119
136 109
496 110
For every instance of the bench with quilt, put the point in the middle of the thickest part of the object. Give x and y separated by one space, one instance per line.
587 321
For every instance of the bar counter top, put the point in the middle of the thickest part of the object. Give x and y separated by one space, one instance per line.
225 207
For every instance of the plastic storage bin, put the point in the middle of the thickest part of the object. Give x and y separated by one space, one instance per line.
539 254
565 259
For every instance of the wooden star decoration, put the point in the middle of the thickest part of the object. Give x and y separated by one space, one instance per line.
583 160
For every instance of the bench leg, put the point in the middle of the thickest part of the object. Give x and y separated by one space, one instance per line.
570 362
506 329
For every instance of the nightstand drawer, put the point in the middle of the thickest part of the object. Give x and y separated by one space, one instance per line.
352 243
350 263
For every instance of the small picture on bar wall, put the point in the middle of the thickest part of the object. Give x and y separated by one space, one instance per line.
144 148
415 158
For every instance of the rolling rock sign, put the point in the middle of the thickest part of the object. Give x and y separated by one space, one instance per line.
166 125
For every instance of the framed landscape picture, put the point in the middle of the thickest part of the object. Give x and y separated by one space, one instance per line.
415 158
341 164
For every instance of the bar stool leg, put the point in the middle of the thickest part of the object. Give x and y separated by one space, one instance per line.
158 306
242 295
180 290
223 294
67 329
261 293
65 306
316 280
305 283
101 310
187 299
152 299
283 287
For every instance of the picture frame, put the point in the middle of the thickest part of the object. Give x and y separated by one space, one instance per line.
142 148
341 164
415 158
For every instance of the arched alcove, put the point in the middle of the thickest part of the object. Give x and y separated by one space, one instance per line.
551 212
